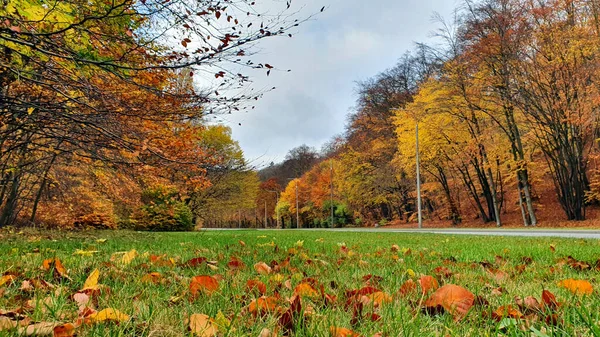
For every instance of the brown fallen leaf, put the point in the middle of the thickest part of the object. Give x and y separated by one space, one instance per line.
256 285
262 268
549 299
6 323
38 329
203 326
452 298
153 277
408 287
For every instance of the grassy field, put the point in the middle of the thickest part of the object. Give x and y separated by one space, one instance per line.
156 292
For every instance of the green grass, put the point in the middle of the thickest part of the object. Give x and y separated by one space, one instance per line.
154 313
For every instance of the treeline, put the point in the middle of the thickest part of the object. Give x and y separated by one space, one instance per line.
507 106
105 106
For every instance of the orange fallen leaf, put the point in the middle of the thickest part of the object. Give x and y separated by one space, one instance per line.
153 277
408 287
305 290
454 299
204 283
56 266
262 268
579 287
65 330
342 332
428 283
258 285
201 325
378 298
506 311
7 279
262 305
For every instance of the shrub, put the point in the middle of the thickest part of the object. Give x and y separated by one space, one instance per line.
162 210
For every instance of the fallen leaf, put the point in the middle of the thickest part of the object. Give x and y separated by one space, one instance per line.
549 299
579 287
454 299
258 285
408 287
6 323
91 283
204 283
262 305
306 290
428 283
262 268
153 277
108 315
342 332
38 329
201 325
65 330
7 279
506 311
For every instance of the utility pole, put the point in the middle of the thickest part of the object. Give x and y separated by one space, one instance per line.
239 219
265 213
332 224
418 180
297 212
276 202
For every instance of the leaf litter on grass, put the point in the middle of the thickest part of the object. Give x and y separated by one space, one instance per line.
295 288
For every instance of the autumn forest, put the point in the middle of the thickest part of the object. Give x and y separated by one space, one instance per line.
106 123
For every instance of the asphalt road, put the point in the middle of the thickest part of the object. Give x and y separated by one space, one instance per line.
566 233
562 233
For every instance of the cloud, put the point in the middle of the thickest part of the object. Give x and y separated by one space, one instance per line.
351 41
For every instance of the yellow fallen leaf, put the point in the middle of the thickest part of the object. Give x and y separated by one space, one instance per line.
85 252
109 314
7 279
101 240
201 325
91 282
129 256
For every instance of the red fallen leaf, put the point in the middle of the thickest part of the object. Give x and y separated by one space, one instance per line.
255 284
204 283
287 319
196 262
65 330
553 319
330 299
235 264
506 311
549 299
578 287
428 283
362 291
262 305
408 287
342 332
452 298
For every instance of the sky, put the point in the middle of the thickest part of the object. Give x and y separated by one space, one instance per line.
350 41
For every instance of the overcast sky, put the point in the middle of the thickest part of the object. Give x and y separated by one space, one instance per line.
350 41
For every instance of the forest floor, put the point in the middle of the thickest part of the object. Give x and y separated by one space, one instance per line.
301 283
